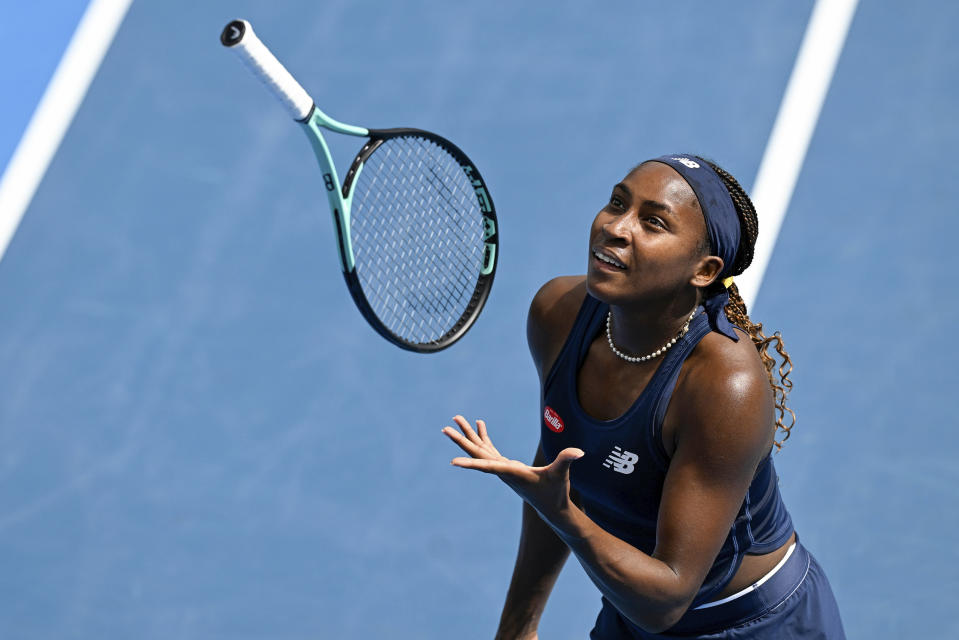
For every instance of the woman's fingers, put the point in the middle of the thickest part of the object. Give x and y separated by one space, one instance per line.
484 435
467 430
480 464
464 443
505 469
478 438
545 487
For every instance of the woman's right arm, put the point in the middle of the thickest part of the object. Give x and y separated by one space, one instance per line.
540 559
541 554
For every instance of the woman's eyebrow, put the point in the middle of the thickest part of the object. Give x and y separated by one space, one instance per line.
659 206
649 204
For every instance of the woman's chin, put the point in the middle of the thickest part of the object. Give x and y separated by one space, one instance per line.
600 286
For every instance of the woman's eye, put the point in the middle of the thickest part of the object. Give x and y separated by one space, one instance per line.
656 222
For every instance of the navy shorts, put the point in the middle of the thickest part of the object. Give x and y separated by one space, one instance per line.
796 603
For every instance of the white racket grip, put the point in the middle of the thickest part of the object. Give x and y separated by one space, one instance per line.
239 36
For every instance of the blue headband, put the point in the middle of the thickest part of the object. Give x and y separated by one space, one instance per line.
722 226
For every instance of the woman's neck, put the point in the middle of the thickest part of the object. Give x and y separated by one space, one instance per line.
642 329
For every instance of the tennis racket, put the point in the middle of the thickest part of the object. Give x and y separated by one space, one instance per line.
415 225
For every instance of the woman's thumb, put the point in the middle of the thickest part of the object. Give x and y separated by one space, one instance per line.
567 456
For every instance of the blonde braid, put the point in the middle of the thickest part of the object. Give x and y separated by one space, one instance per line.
737 314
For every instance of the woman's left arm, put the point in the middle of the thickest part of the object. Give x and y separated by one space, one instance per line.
723 430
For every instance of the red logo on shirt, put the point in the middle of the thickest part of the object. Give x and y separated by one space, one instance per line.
553 421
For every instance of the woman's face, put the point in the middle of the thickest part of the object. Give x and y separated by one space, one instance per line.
648 242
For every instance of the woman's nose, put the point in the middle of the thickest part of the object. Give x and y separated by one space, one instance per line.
616 229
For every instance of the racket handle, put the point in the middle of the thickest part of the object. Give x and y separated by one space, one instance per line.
239 36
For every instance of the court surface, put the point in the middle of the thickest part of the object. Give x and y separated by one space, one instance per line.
201 438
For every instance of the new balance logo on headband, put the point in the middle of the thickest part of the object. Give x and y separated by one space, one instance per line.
621 461
689 163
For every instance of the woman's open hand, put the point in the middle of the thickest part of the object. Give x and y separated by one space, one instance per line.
546 489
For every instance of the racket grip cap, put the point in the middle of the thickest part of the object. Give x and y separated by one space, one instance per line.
238 35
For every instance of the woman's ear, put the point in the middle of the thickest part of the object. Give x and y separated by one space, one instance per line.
707 271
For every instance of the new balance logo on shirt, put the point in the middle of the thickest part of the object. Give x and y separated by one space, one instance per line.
621 461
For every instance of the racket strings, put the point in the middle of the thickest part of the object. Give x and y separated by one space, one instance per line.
417 234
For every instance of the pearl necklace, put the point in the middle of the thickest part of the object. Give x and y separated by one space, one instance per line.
654 354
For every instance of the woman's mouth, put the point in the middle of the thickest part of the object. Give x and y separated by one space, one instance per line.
607 261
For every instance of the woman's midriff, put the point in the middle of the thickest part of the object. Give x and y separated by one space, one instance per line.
753 568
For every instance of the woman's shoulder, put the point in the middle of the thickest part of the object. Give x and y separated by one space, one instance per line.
719 365
725 390
552 314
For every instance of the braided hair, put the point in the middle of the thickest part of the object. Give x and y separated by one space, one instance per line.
736 309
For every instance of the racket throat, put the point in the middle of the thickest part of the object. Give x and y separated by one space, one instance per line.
347 261
339 205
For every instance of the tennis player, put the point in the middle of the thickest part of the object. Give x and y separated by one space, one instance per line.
660 409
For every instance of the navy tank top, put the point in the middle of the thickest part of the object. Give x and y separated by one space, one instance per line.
621 476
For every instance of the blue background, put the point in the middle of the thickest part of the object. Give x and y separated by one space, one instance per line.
201 438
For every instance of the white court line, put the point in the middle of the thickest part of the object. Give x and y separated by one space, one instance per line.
794 126
53 115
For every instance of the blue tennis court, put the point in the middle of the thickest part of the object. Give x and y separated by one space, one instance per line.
201 438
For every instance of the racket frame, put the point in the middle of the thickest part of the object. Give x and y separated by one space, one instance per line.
484 281
239 36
